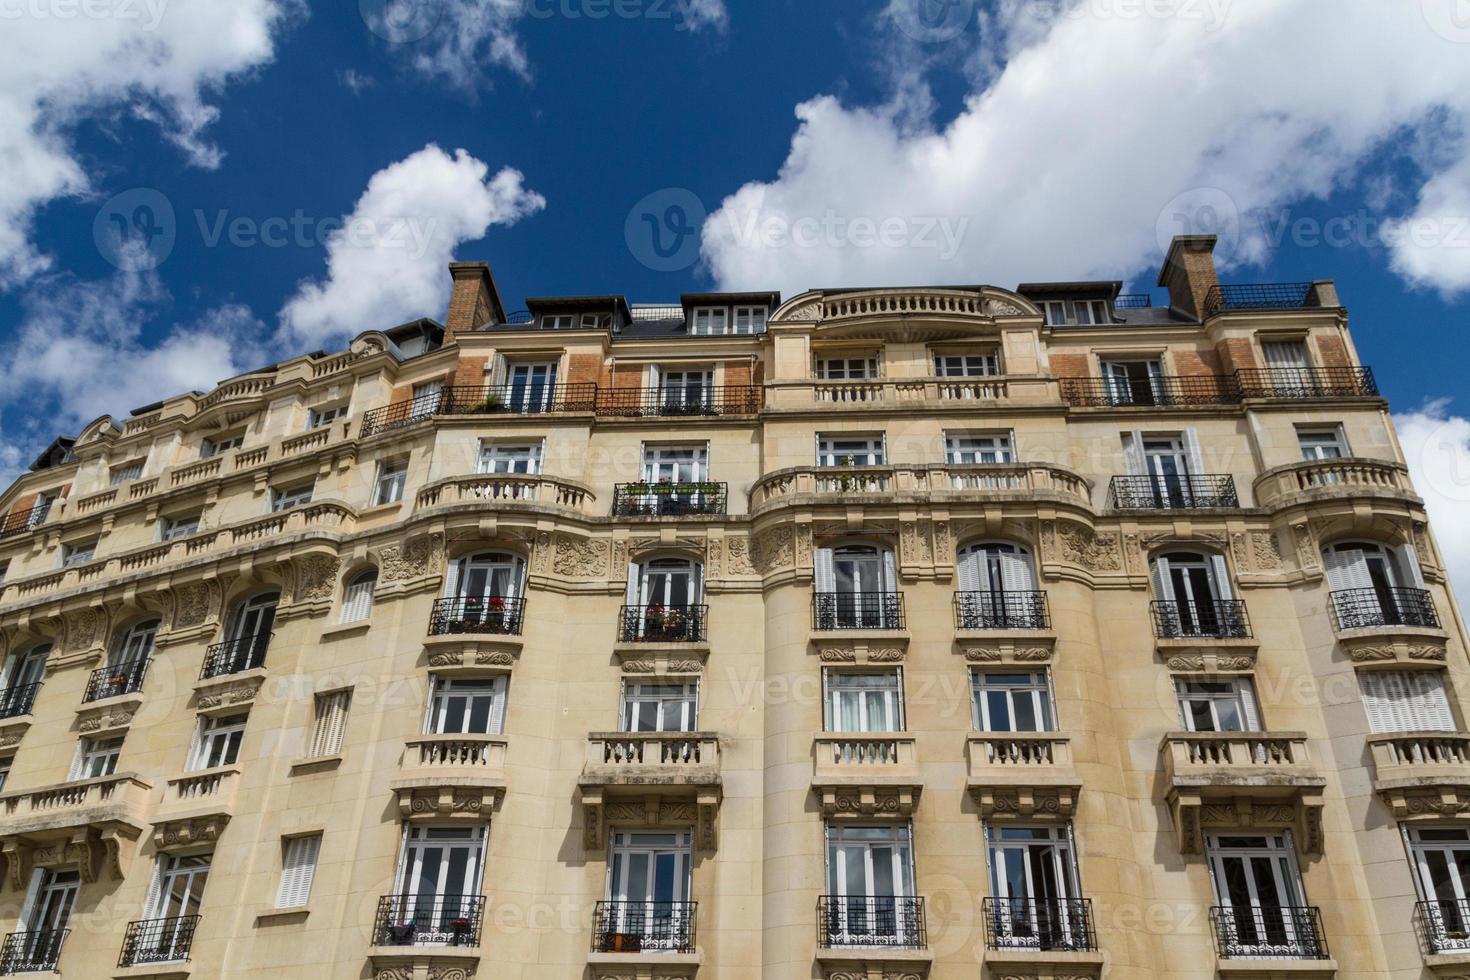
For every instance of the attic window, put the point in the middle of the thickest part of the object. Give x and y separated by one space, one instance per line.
558 321
127 471
589 321
710 320
1076 312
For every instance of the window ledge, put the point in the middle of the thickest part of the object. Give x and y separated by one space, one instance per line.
283 917
347 629
378 510
325 763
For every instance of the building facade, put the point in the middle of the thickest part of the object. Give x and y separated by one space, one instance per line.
1030 633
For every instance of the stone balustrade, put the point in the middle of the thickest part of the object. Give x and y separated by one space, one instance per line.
506 488
938 481
1319 479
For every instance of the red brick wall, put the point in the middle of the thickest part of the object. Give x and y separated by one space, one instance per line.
1196 363
737 373
1332 352
585 369
471 371
1235 354
24 504
1069 365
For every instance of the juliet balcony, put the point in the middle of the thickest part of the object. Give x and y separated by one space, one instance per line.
235 656
482 400
869 773
669 499
116 680
1257 933
1001 611
1200 619
832 611
663 624
37 951
1356 609
1444 926
1192 492
658 779
446 920
478 615
644 927
1040 924
1298 384
154 942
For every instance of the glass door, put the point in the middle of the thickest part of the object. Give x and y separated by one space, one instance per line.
1366 567
1167 464
870 877
669 469
1287 360
997 588
685 392
1441 858
1189 582
251 633
22 673
858 573
175 906
1033 879
532 388
486 585
669 583
44 922
1133 382
648 886
437 902
1259 891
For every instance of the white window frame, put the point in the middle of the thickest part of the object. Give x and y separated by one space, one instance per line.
329 722
1315 441
971 448
78 553
213 446
675 704
316 418
497 456
879 706
445 692
298 870
96 754
863 367
558 321
865 449
134 643
1076 312
1030 690
174 528
357 596
750 319
966 365
290 497
217 741
710 321
389 484
125 472
1223 698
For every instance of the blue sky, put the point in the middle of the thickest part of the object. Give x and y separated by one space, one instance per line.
1048 139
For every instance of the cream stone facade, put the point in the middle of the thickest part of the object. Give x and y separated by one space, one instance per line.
1031 634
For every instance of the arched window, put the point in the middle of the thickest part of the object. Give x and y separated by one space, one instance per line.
357 598
247 635
127 663
664 601
482 594
23 672
998 588
134 643
1192 596
1376 585
856 588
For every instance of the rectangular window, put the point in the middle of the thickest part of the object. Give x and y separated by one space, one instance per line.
298 868
510 457
1034 887
5 763
589 321
557 321
96 757
1133 382
978 447
473 706
1217 706
711 320
869 702
1406 701
850 450
846 368
217 742
79 553
870 874
659 707
388 488
1011 702
426 398
182 526
284 498
965 365
1322 443
1076 312
45 917
125 472
221 444
750 319
329 723
177 892
357 597
326 415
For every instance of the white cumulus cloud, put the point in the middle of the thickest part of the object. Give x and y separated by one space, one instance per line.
386 264
1106 127
1436 445
155 59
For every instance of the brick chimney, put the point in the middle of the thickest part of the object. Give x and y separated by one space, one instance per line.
475 301
1189 272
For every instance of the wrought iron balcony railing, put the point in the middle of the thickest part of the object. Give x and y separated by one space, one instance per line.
158 940
895 922
1444 924
857 611
24 521
1304 383
1190 492
674 402
663 624
233 656
1258 296
1001 611
503 615
429 920
640 927
1253 931
1364 608
1164 392
18 699
1039 923
516 398
32 952
117 679
669 499
1222 618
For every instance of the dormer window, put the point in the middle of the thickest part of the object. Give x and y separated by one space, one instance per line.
589 321
558 321
1076 312
711 320
750 319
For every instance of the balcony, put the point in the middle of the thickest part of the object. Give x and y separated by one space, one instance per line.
1022 774
1304 383
658 775
663 624
1001 611
1194 492
505 399
506 489
669 499
32 952
1044 925
1242 297
17 701
153 941
234 656
644 927
22 523
428 920
1264 933
1266 777
832 611
451 776
1160 392
675 402
916 392
92 824
934 482
117 680
1418 772
1200 619
871 922
490 616
1346 478
1356 609
1444 925
866 774
196 806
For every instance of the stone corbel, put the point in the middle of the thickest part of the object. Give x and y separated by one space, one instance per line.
17 855
1025 802
869 801
594 818
447 802
175 835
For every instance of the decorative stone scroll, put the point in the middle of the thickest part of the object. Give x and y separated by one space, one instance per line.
700 810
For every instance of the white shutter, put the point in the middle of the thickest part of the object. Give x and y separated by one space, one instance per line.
1196 457
1133 450
826 577
1252 718
24 922
635 571
1399 701
1158 573
1015 572
196 745
890 576
155 889
969 570
1429 706
298 868
1347 569
696 584
357 602
653 377
517 578
497 706
451 580
331 723
1408 557
1220 573
78 760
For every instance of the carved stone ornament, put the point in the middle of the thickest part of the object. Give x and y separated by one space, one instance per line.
581 557
195 603
316 577
701 810
178 834
772 550
413 559
1264 552
1097 552
737 556
1194 814
83 629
